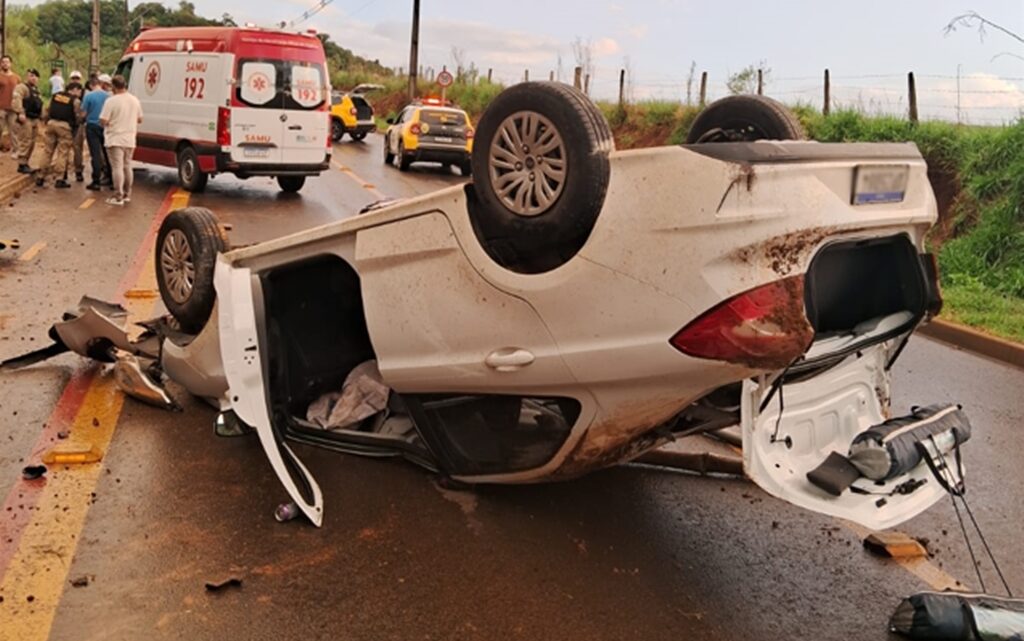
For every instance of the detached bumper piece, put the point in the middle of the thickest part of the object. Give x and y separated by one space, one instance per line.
969 617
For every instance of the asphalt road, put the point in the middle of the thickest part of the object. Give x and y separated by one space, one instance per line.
629 553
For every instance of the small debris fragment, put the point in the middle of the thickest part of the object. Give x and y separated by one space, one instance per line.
81 582
230 582
95 422
286 512
63 434
33 472
896 545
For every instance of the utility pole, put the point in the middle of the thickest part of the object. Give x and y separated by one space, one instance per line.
414 48
3 27
94 49
127 24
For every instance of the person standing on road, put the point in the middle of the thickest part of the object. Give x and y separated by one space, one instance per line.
78 144
120 118
27 105
56 81
92 106
8 118
61 124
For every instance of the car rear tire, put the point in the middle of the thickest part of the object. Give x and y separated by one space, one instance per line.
186 255
389 158
358 135
291 184
337 130
403 161
540 167
744 119
190 176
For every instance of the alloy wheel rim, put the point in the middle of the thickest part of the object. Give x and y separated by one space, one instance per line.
178 267
528 163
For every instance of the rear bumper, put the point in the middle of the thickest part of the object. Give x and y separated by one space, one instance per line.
438 153
246 170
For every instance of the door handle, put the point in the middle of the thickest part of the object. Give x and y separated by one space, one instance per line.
295 128
508 359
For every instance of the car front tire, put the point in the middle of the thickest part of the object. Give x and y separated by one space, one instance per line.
538 198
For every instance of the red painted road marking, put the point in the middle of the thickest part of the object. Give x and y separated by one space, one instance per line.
24 495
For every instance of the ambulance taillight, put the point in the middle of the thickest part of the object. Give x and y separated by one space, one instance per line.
224 126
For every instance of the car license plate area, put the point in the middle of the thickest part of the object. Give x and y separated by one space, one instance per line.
444 139
876 184
256 152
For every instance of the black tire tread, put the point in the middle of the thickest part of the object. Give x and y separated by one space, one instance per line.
495 224
202 223
792 129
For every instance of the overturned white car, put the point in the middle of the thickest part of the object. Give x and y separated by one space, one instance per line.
574 307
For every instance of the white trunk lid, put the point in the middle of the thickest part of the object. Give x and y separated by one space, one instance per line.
821 415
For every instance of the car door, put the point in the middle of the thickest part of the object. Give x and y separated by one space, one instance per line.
257 130
305 129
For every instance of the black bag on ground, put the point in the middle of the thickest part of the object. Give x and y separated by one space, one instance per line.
951 616
889 449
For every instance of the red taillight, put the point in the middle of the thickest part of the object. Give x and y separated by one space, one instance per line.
469 133
764 328
330 127
353 111
414 129
224 126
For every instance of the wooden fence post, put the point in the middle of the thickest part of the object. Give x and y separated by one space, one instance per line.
912 95
622 88
827 107
489 75
586 84
577 80
760 82
703 88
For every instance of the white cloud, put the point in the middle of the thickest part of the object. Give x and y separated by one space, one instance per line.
606 47
638 31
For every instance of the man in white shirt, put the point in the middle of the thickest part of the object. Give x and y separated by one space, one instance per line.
56 82
120 118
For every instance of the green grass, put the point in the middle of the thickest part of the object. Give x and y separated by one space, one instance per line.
971 303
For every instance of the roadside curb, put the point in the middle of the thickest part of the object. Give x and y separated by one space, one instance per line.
972 340
11 187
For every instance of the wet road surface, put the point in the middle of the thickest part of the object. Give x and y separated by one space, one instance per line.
629 553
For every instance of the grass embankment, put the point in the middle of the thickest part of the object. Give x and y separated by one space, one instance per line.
977 174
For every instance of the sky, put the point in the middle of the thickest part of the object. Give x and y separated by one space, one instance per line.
869 45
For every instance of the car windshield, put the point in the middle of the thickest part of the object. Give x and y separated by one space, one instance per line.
438 117
281 84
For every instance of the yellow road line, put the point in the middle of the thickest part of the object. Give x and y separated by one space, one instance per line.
38 572
362 183
87 203
31 252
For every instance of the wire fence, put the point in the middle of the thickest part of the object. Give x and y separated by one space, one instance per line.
968 98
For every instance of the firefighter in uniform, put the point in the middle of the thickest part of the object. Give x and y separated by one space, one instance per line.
62 121
27 105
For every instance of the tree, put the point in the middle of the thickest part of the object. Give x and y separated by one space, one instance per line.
745 80
974 20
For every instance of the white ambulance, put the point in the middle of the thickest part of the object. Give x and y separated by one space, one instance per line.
246 101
